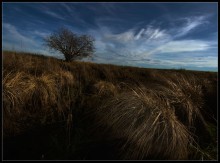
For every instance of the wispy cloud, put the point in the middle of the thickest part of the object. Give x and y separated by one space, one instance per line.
122 37
124 33
16 40
208 61
131 36
71 14
153 39
110 8
55 15
191 23
151 34
142 44
67 7
10 32
183 46
40 33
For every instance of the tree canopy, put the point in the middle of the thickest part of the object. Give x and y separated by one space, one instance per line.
71 45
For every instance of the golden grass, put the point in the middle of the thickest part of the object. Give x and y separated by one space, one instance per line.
184 92
67 78
149 124
105 88
13 86
156 119
154 111
35 96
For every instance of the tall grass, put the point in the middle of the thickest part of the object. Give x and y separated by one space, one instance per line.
155 114
147 118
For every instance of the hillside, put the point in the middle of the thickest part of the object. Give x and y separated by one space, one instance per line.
78 110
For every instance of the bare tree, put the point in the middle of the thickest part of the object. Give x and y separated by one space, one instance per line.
73 46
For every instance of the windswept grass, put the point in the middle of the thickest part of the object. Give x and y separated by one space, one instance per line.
105 88
107 111
148 117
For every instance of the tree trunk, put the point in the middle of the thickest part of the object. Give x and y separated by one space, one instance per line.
68 60
67 57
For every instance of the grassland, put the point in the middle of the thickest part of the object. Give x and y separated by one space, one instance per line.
58 110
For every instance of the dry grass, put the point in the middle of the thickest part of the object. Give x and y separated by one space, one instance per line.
27 96
30 97
66 78
11 91
148 122
184 92
157 119
154 112
104 88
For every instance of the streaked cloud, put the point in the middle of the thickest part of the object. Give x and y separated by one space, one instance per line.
153 40
192 62
13 39
183 46
138 34
55 15
191 23
12 33
40 33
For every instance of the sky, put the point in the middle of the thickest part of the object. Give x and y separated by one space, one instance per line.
150 35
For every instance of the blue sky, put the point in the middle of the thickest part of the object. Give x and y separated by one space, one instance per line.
154 35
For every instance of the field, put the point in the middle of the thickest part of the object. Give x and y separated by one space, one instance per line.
56 110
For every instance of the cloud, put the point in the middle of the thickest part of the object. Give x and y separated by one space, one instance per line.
117 40
55 15
67 7
190 23
71 15
131 43
144 34
40 33
13 39
209 61
186 62
11 33
123 37
150 40
141 45
183 46
139 34
152 34
111 8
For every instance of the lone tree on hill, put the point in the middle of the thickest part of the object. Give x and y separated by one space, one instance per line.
73 46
